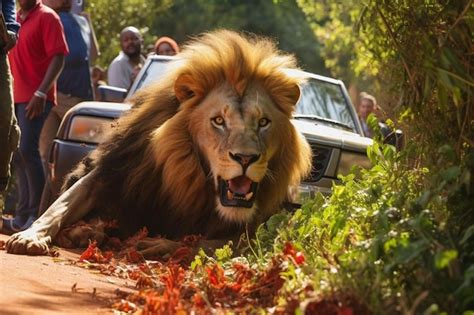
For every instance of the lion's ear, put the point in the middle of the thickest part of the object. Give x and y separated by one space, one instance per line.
185 87
294 94
289 96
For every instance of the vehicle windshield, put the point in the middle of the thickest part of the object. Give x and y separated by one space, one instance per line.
325 102
154 71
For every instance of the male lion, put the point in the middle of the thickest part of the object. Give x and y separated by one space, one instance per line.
208 150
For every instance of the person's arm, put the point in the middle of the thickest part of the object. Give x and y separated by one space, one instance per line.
9 13
94 52
36 105
8 9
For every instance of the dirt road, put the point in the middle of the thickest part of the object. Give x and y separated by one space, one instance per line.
44 285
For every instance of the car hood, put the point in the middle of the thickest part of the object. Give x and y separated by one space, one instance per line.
101 109
330 136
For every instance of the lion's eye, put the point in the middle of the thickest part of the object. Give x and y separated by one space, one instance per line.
218 121
263 122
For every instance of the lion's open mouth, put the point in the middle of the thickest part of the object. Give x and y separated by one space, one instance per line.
237 192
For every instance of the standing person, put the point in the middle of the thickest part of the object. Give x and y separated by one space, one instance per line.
166 46
367 105
36 61
124 68
74 84
99 77
9 131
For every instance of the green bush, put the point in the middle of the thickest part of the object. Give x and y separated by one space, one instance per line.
398 238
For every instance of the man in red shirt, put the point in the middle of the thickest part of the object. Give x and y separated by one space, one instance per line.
36 62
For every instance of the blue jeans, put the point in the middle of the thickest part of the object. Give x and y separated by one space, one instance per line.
28 166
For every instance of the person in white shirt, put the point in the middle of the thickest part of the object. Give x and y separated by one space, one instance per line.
124 68
367 105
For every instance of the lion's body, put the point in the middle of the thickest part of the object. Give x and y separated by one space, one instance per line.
207 150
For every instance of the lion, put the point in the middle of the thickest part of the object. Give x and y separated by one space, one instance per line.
208 150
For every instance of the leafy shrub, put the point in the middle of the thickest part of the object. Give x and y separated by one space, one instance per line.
398 238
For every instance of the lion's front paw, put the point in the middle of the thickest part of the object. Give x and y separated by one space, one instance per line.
28 242
157 247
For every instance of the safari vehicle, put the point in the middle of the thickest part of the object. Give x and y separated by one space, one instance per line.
324 115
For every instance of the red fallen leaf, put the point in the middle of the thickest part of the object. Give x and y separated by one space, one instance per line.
168 302
131 242
182 256
89 252
198 301
133 256
289 250
107 256
134 274
144 268
94 254
268 284
144 281
236 287
216 276
125 306
243 278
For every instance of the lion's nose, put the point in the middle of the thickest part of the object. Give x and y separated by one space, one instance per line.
244 159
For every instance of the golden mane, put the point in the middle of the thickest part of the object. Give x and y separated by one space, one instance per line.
151 161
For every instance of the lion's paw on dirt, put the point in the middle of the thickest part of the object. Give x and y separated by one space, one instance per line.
28 242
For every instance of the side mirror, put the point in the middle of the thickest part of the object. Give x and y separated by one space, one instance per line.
109 93
390 136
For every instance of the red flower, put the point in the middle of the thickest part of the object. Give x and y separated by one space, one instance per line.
289 250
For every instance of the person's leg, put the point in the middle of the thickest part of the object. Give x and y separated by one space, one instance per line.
48 132
51 125
9 131
29 167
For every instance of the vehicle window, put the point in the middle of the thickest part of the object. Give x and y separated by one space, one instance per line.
325 100
155 70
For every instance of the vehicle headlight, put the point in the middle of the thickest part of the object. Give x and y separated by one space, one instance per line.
89 129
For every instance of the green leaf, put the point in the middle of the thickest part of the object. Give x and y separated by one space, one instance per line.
275 221
451 173
223 254
413 250
444 258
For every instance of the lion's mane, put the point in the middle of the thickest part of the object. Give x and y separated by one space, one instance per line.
166 186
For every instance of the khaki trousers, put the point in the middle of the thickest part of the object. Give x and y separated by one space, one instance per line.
9 130
51 125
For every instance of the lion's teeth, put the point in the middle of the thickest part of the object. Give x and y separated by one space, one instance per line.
230 195
248 196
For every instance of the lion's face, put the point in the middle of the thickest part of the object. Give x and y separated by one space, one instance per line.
238 138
